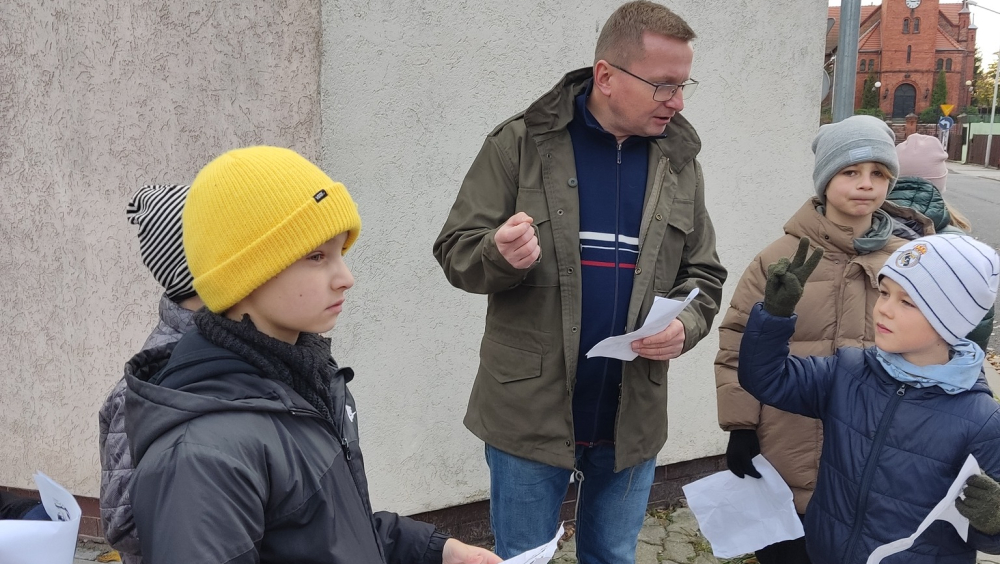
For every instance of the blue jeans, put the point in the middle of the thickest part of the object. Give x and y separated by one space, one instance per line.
525 497
38 513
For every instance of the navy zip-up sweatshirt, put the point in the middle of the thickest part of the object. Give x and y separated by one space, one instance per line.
612 187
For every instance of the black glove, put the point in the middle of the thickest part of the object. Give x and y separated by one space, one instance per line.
785 280
981 505
743 446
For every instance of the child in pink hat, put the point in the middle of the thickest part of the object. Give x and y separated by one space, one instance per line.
924 157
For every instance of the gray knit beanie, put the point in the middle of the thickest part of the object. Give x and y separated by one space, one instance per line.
857 139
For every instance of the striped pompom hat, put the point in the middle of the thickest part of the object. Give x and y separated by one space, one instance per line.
951 278
157 210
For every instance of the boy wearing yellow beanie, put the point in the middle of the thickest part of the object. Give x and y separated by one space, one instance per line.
245 438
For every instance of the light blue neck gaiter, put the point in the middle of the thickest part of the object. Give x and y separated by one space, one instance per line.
955 377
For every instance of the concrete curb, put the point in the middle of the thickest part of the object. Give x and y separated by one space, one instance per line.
974 170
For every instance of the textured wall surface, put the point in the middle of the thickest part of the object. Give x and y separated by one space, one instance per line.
410 89
96 99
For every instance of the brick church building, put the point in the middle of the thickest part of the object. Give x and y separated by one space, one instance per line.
905 43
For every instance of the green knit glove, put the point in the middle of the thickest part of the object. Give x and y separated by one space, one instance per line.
785 280
981 505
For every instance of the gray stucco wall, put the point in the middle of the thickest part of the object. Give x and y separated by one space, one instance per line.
409 92
96 99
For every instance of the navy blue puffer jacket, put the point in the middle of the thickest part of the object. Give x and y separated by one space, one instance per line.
890 451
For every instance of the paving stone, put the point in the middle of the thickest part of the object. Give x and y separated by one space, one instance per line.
90 550
653 533
568 549
704 558
677 536
679 551
646 554
683 520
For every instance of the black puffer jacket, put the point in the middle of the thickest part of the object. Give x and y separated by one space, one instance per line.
234 467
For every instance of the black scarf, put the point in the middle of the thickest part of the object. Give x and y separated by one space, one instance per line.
305 367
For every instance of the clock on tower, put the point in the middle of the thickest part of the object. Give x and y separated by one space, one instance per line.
911 4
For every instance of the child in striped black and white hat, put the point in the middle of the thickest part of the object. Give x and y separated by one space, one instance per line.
900 419
157 210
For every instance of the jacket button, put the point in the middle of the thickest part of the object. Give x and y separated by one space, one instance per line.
574 329
827 237
659 217
569 443
572 182
569 270
638 270
559 212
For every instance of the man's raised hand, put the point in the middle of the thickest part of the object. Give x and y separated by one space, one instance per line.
517 242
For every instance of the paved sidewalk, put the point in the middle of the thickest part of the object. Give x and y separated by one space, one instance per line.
672 537
667 537
975 170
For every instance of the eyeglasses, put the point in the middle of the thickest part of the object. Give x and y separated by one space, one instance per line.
664 91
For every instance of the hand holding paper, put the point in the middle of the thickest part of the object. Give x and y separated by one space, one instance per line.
540 555
663 312
945 511
741 515
665 345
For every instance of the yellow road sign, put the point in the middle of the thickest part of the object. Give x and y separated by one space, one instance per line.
947 108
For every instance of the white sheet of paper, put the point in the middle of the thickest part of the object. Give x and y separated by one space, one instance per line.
30 542
945 510
540 555
741 515
662 312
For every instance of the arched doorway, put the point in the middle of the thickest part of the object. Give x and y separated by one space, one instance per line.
904 101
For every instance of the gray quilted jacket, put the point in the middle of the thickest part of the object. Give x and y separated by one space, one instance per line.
116 460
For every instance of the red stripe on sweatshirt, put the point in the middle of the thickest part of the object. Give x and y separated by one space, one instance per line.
605 264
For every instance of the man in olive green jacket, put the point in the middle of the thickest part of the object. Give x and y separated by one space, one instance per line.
602 163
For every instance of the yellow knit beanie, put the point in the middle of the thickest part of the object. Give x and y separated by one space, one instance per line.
253 212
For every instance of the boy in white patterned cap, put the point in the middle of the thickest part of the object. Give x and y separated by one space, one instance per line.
157 210
899 418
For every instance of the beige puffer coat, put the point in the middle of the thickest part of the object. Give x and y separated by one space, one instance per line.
835 311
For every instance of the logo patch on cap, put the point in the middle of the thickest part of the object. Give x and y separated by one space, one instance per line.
318 196
910 258
861 154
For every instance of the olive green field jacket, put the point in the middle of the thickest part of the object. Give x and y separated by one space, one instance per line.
522 398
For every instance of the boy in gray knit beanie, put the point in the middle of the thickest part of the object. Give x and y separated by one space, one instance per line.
856 140
855 168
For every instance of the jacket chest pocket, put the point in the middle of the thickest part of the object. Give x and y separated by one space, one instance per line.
680 223
546 271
